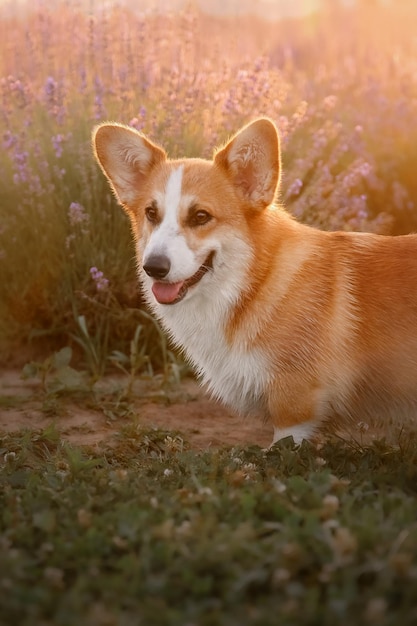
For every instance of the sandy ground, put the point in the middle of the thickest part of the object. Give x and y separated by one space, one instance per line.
91 418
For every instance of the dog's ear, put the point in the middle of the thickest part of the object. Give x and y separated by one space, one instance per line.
126 158
252 160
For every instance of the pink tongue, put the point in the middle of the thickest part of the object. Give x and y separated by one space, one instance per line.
166 293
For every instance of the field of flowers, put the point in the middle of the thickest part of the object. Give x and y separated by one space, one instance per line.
341 85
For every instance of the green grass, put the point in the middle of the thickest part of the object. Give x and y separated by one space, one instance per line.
146 531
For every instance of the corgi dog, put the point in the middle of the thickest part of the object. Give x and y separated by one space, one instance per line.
307 328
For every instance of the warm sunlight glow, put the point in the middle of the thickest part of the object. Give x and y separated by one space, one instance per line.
339 80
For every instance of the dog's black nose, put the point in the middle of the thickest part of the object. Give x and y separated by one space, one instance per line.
157 266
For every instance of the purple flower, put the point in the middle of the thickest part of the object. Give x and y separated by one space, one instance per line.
99 108
77 214
9 140
57 141
50 88
139 122
98 277
22 173
295 188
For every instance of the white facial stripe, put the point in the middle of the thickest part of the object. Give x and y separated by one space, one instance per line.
173 196
169 203
167 238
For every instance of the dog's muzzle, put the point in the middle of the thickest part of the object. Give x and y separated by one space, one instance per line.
158 267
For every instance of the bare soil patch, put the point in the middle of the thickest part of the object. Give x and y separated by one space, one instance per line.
84 419
95 416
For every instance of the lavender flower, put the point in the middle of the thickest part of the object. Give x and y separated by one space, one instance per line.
295 188
22 173
50 89
9 140
99 108
139 122
98 277
77 214
57 141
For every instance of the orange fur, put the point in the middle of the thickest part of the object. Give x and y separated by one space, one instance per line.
308 328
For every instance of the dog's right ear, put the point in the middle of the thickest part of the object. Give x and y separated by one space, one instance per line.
126 158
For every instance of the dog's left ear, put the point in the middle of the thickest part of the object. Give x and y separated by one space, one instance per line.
252 160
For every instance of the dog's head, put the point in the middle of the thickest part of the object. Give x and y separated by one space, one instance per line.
189 215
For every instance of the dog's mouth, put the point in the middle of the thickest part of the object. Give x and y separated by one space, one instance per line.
171 293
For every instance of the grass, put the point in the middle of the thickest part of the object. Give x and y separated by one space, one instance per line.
146 531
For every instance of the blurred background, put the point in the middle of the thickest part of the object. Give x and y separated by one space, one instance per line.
339 78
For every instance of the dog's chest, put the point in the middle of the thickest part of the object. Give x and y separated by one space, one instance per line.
232 372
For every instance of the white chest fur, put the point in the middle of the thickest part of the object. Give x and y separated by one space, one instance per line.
233 373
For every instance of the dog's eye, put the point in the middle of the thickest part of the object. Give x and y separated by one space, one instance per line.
199 218
151 213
